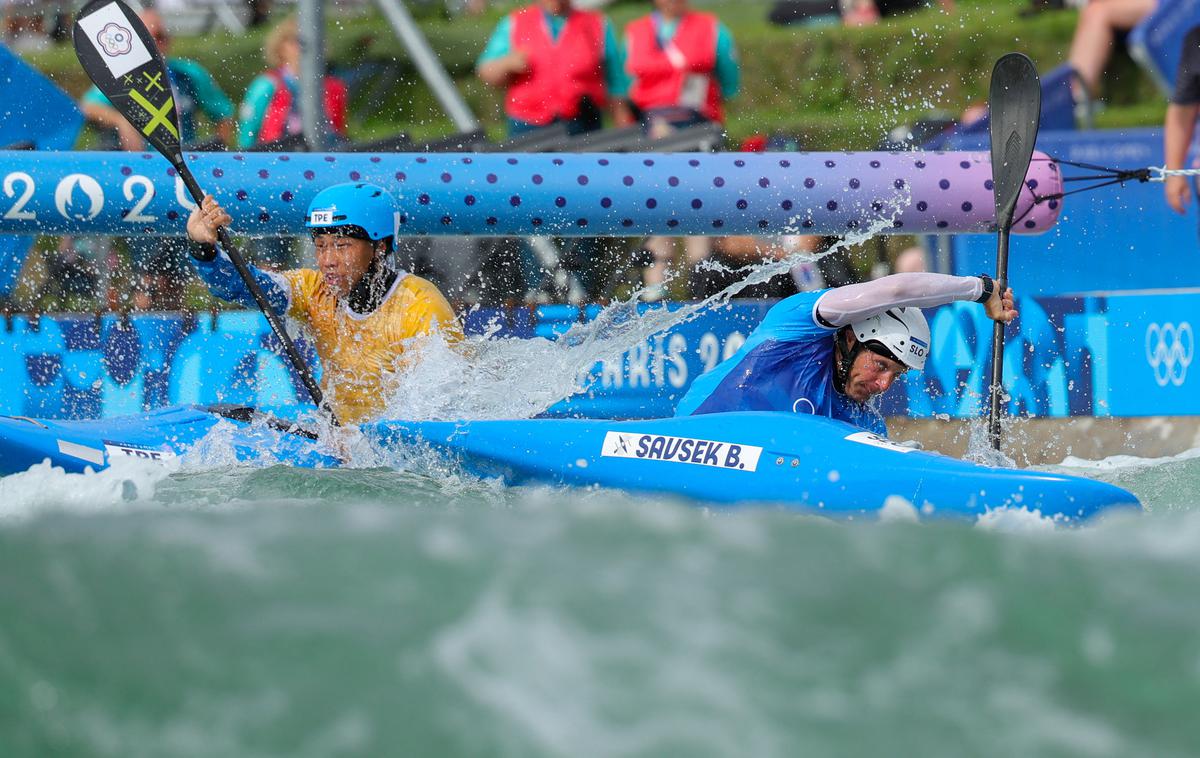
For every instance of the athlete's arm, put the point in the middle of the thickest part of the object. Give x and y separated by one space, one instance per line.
217 270
1181 122
854 302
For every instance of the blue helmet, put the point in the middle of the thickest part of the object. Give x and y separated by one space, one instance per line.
355 204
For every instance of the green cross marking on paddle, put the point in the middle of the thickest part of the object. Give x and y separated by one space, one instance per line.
158 116
153 81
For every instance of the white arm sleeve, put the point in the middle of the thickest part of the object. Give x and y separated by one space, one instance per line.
854 302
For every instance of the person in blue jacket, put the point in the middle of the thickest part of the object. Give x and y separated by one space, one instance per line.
830 352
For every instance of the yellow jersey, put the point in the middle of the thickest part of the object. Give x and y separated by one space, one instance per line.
361 352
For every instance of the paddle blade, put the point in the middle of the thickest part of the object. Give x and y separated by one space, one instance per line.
122 60
1015 103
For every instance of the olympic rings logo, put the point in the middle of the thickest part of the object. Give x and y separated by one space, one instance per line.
1169 351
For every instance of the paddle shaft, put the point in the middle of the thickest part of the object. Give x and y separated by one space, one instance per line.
996 389
239 263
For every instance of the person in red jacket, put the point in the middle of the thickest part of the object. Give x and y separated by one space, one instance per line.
684 66
556 63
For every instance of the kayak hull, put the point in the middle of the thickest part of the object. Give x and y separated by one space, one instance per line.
800 461
732 459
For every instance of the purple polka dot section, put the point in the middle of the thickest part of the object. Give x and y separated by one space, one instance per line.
287 196
537 179
263 173
560 201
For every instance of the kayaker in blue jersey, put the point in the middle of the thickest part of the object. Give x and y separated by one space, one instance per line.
829 352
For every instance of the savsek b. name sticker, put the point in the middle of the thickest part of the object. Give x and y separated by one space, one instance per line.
697 452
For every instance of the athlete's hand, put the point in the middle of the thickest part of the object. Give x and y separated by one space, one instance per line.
1001 308
202 225
1178 193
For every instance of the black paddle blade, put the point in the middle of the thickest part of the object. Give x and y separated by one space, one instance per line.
1015 104
122 60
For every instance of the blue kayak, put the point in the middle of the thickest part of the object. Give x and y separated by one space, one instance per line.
796 461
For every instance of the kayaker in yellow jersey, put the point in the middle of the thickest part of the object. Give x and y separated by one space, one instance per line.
365 318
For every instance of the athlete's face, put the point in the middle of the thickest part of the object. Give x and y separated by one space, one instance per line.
871 374
342 261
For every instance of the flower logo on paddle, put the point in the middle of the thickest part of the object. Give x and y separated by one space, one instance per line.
115 40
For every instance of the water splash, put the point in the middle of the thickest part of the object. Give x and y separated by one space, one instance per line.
492 378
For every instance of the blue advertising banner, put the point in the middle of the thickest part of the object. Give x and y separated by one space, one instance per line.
1121 237
1114 355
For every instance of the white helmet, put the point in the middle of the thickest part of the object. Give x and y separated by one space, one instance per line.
903 332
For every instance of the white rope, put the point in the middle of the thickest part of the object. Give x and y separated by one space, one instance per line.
1163 173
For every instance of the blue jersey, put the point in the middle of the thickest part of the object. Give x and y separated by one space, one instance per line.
786 365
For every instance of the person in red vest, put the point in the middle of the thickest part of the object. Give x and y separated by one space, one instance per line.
556 63
684 67
270 110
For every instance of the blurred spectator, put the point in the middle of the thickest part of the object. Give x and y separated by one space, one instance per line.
556 63
684 66
1095 34
1181 121
260 11
911 260
159 264
732 255
269 110
24 25
887 8
851 12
